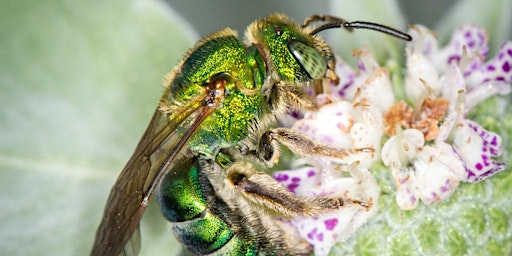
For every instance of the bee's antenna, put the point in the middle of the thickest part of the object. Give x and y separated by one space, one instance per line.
335 22
378 27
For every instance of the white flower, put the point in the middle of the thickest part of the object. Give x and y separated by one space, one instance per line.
437 81
432 146
429 173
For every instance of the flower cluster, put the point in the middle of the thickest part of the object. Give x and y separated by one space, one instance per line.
440 147
430 145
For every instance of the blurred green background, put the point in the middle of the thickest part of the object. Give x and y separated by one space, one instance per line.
208 16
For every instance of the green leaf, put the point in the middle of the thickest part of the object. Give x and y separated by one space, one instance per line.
79 81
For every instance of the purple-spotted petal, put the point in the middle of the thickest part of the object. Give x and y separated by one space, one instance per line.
351 80
365 62
477 147
299 181
494 75
325 230
432 177
406 197
348 83
467 48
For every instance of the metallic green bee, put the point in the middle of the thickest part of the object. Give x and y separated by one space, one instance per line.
215 128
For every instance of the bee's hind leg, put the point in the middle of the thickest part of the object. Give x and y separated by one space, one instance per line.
263 192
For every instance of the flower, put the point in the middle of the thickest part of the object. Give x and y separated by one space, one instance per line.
431 145
460 149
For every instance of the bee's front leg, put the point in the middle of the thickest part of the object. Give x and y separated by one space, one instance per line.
298 143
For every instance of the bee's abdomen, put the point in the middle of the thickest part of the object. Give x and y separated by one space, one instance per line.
201 221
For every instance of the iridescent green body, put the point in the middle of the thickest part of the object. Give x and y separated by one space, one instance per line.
204 223
221 52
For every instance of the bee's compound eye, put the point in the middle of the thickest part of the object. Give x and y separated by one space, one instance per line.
309 58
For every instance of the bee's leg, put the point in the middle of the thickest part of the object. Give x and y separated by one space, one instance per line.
268 148
284 96
264 192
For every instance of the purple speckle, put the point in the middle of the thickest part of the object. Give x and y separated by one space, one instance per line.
480 35
303 127
297 115
361 66
427 49
491 68
295 179
506 67
478 166
328 139
311 173
494 141
344 87
412 199
475 65
486 160
330 224
455 58
292 187
312 233
281 177
320 237
444 189
340 126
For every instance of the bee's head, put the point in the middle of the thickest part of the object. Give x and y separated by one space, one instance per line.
292 52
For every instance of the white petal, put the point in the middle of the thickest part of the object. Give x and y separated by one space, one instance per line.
437 174
400 149
419 67
329 125
377 90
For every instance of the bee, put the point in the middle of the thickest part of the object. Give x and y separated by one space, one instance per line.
214 132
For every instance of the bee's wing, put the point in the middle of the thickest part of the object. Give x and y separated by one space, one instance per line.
153 156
